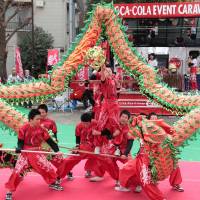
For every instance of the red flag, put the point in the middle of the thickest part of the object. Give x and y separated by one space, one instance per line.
53 57
18 63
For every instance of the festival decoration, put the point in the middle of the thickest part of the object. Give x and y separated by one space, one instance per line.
105 17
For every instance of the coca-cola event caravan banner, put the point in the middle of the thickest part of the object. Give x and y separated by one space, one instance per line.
159 10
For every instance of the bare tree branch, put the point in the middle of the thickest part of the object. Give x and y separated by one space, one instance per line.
26 22
11 17
1 24
5 8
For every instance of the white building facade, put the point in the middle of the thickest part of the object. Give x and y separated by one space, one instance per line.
54 17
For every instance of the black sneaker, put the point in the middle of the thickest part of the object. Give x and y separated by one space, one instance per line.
178 188
9 196
56 186
88 174
58 181
117 184
70 176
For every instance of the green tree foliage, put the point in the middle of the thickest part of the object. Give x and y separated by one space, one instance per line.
43 42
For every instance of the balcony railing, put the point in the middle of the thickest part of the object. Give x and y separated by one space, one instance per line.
13 25
23 1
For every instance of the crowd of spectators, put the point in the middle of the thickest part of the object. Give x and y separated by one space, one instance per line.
15 78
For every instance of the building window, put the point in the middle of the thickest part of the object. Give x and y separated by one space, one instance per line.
164 32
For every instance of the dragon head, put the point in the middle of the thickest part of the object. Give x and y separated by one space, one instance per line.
95 57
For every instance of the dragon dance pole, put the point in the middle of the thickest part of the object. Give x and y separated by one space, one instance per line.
89 152
42 152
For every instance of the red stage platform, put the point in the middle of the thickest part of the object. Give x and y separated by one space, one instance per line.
34 188
136 103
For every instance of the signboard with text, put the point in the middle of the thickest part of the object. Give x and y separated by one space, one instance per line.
136 103
82 75
159 10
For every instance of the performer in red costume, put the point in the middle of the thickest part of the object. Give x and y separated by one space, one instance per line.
51 127
193 65
84 141
109 114
98 100
137 171
46 122
175 178
30 137
97 94
120 145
